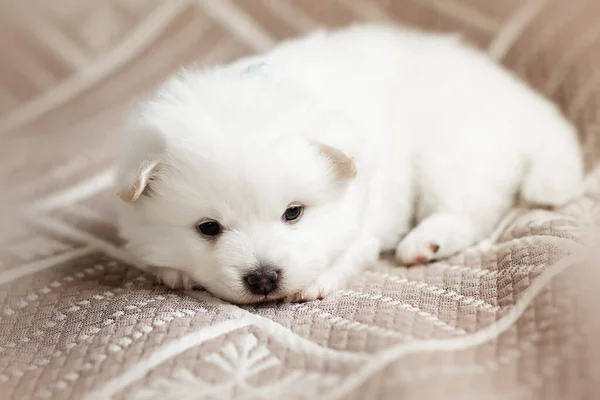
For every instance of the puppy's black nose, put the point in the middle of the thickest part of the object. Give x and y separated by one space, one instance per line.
263 280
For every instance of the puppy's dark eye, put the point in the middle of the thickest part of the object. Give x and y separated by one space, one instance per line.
292 213
210 228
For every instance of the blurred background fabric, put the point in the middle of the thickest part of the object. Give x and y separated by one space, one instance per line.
515 317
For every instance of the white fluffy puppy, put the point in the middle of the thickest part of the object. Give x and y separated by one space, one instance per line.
280 176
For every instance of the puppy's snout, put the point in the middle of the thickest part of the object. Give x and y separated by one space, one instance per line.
263 280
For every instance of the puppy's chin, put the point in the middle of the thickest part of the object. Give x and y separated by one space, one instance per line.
245 297
231 290
251 299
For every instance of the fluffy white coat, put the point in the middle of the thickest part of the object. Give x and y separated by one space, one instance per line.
390 139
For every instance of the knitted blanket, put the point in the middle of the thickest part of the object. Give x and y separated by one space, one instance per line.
512 317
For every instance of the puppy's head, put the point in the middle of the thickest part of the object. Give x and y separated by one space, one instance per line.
244 184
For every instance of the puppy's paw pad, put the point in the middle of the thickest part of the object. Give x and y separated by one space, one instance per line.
175 279
420 259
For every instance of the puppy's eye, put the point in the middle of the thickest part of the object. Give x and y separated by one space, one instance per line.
210 228
292 213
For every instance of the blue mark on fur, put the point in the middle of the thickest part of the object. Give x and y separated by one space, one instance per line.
260 66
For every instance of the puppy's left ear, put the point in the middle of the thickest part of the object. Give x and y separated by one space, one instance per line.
338 141
343 165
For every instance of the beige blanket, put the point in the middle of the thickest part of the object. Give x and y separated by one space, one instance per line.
510 318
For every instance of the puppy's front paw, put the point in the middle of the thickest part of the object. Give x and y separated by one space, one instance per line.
322 287
175 279
437 236
416 250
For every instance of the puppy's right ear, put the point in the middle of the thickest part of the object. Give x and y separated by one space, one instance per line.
137 182
140 162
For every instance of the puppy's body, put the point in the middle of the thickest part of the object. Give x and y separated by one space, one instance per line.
370 128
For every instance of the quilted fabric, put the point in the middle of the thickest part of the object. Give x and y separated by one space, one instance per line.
513 317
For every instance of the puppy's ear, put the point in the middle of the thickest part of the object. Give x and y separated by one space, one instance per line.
344 166
137 183
140 162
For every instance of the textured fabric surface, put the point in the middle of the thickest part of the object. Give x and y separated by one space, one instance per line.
513 317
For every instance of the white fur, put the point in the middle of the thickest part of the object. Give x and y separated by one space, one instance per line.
441 137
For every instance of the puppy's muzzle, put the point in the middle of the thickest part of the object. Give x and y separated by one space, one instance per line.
263 280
